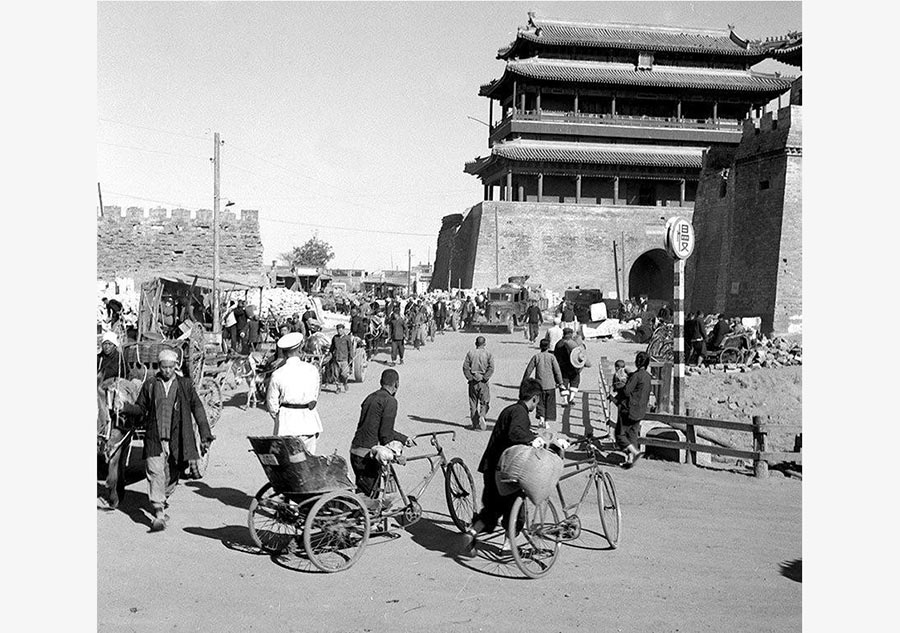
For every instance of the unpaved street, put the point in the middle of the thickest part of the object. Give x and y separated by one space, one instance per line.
701 550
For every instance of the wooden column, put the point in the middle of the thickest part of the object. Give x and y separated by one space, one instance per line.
715 110
486 192
491 118
578 189
576 102
523 102
614 105
514 97
521 191
678 110
616 190
540 187
537 105
760 445
509 185
681 194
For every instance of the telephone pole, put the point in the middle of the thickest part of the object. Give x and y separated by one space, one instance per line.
217 321
408 270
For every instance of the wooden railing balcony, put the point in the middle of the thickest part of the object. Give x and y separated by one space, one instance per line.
620 119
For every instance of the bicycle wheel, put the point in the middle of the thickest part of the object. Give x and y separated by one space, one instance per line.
535 544
272 520
608 503
336 531
460 490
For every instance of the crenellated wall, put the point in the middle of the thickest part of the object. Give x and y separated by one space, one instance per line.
143 245
748 257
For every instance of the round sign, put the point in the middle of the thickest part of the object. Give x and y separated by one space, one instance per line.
679 237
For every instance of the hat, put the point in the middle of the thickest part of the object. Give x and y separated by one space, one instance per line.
578 357
290 341
168 354
339 326
110 337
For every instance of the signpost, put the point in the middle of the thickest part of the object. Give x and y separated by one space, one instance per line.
679 245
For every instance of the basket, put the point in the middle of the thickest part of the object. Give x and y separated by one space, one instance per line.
291 469
145 354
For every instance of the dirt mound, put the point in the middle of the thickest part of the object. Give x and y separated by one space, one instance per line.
771 393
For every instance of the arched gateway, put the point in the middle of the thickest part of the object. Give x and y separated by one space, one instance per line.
652 275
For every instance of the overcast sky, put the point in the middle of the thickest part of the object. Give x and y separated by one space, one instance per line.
339 114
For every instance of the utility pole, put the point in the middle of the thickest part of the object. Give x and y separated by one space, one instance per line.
217 320
408 270
100 195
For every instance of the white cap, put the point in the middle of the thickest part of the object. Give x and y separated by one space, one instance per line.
168 354
110 337
290 341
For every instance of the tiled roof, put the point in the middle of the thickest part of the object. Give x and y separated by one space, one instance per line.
591 153
627 75
553 32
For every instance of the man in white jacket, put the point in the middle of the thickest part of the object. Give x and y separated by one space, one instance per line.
293 393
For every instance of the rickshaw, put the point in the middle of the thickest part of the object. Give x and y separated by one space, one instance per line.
310 501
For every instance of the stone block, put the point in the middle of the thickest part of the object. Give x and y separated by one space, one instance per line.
135 213
227 217
181 214
112 212
204 215
249 215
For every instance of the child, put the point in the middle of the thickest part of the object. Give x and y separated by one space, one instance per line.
620 377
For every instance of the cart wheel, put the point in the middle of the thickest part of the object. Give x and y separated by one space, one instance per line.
535 544
610 513
460 490
211 395
336 531
272 520
730 355
359 365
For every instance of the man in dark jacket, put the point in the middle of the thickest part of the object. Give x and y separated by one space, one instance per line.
341 355
166 403
375 428
534 317
571 375
440 314
397 329
720 331
513 427
633 408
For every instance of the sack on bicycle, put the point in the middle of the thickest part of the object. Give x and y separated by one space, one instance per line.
536 471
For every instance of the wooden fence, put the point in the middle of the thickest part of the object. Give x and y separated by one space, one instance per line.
693 427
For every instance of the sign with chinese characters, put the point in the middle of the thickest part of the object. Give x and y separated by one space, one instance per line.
679 237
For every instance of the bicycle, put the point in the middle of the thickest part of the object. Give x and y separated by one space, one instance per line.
459 487
535 531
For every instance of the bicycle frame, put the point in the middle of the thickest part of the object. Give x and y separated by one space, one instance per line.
437 460
588 465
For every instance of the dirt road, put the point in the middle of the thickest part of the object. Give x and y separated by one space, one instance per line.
701 550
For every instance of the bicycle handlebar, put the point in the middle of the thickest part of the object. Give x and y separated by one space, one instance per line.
433 433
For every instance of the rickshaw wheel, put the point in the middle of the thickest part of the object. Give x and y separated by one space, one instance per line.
460 491
610 513
336 531
211 395
533 534
730 355
272 520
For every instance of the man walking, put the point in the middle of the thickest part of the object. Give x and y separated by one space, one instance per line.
633 408
397 327
568 318
440 314
554 334
570 373
166 403
293 394
534 317
478 368
547 372
375 428
341 355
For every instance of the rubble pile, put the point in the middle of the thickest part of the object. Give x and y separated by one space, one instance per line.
283 302
766 353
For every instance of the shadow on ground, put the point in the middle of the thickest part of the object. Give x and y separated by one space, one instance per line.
792 570
228 496
419 418
234 537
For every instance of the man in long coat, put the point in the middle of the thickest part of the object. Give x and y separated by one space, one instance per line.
166 403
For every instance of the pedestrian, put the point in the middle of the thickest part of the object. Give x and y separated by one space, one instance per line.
617 384
109 360
570 373
310 322
296 324
397 328
568 318
440 314
513 428
253 328
720 331
698 338
633 408
534 317
341 356
166 403
469 311
547 372
420 321
293 394
229 332
240 343
478 367
378 413
554 334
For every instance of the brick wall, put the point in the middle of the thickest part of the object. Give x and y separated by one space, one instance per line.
142 246
558 245
747 259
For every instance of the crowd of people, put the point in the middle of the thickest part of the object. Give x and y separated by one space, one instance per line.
169 405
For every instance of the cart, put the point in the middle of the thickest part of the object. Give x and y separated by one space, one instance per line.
310 500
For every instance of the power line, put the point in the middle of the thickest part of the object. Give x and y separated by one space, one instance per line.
154 129
152 151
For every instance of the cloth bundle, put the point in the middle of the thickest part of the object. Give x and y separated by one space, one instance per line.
536 471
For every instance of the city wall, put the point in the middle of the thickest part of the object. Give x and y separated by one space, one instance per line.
142 245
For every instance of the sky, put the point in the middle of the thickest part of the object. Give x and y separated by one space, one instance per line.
348 120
